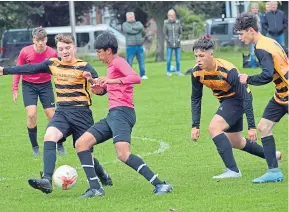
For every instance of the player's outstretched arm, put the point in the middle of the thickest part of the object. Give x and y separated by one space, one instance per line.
27 69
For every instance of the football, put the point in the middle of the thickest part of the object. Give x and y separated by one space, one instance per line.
65 177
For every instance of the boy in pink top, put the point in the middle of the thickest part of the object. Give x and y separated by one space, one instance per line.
120 120
36 85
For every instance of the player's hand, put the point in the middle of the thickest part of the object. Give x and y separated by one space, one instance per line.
252 135
15 96
101 81
195 134
96 89
88 76
243 78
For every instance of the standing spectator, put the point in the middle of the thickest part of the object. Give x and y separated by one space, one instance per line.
275 22
173 35
260 20
268 6
134 39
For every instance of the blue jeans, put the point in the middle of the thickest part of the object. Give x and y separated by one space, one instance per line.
137 51
178 58
252 56
280 39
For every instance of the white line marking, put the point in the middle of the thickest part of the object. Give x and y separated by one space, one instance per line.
162 148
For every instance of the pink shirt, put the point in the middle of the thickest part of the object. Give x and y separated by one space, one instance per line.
29 56
121 94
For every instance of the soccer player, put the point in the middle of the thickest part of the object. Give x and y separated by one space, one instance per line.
73 115
36 85
227 124
274 63
121 118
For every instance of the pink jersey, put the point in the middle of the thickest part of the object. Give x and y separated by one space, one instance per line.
121 94
29 56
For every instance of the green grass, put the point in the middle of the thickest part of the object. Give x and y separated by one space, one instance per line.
163 113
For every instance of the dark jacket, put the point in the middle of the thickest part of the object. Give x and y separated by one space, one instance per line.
173 33
133 33
275 22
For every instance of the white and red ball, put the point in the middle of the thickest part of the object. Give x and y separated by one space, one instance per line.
65 177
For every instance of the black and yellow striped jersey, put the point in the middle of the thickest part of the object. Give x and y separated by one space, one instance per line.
225 83
72 89
274 63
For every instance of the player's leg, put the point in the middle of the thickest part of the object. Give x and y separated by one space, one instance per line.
81 121
224 118
234 133
121 121
272 114
98 133
30 97
57 128
47 100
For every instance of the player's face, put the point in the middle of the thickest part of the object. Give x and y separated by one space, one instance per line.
102 55
246 36
66 51
204 58
39 43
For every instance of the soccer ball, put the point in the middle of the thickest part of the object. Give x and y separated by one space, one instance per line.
65 177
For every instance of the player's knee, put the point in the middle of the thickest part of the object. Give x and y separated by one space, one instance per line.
123 155
264 129
214 129
81 145
31 116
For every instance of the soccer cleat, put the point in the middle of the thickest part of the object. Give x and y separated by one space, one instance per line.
162 188
92 192
144 77
279 155
61 150
105 179
169 74
272 175
228 174
35 151
43 185
179 74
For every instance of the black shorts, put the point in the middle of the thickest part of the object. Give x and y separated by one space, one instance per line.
72 120
232 111
274 111
117 125
31 91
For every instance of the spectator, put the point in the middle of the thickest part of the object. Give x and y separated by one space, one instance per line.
260 20
134 39
173 35
275 22
268 6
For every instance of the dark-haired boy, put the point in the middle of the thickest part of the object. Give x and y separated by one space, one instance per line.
274 63
120 120
227 124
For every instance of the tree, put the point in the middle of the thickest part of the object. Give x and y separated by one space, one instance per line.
209 9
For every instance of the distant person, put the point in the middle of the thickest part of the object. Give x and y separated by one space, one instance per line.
275 23
134 39
268 6
36 85
173 35
260 19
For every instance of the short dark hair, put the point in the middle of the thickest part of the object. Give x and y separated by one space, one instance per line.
39 32
245 21
105 41
204 44
65 38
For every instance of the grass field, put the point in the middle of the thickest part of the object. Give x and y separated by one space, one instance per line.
162 137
